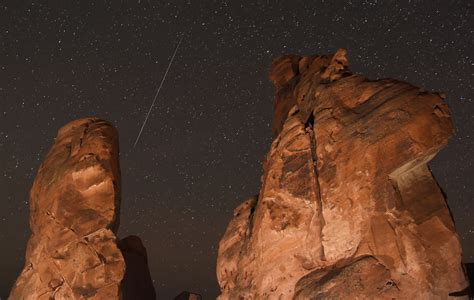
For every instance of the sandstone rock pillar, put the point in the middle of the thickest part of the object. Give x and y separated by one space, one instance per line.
74 216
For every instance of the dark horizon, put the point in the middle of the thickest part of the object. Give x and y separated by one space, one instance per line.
200 153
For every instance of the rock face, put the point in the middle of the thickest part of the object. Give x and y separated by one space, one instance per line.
137 283
74 213
348 207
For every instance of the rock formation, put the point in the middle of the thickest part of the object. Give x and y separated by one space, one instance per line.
137 283
74 215
348 207
188 296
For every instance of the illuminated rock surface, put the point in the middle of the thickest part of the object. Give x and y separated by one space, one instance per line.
74 211
348 207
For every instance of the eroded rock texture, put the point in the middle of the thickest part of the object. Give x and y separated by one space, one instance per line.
74 212
348 207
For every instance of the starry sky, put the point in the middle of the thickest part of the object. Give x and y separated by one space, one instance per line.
200 153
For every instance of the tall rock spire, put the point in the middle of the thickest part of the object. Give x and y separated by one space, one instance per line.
74 216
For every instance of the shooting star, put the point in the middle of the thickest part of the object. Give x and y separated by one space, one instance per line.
158 91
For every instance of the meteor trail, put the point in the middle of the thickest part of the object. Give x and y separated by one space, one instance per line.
158 91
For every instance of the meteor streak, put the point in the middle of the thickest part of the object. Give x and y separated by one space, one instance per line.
158 91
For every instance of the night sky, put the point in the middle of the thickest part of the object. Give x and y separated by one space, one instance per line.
200 153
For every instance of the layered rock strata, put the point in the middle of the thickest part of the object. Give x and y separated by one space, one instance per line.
348 207
74 216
